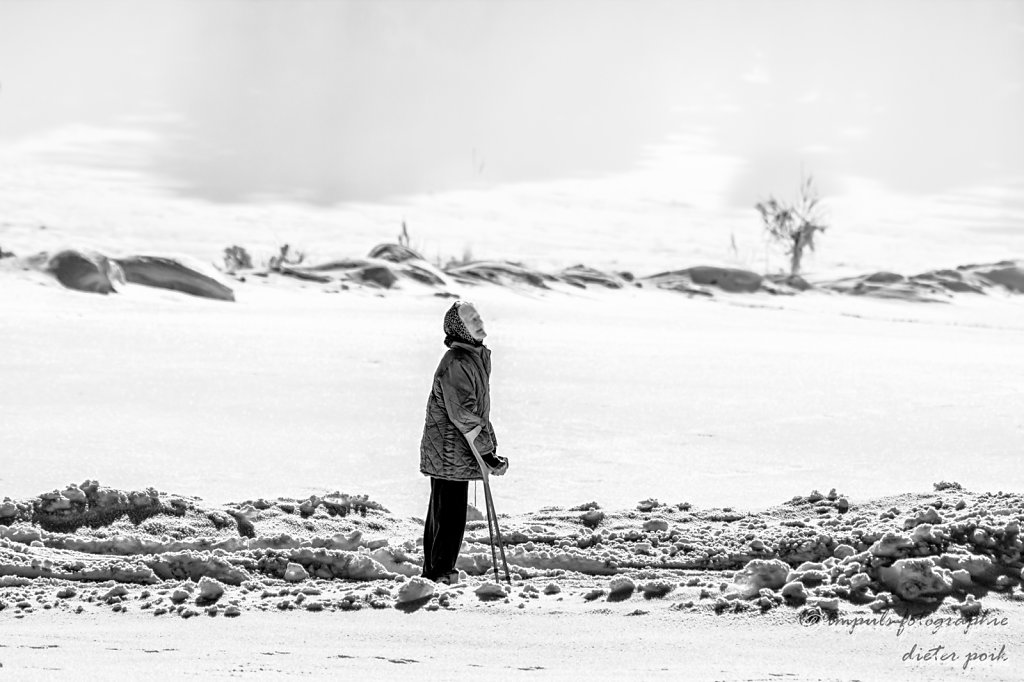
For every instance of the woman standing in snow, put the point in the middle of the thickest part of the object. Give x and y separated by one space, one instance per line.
458 419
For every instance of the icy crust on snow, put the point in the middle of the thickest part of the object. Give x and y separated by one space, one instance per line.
817 551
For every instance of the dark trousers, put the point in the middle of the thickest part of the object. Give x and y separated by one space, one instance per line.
444 527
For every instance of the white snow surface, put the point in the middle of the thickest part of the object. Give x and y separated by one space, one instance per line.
606 396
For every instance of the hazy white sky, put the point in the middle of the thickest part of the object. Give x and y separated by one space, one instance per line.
360 100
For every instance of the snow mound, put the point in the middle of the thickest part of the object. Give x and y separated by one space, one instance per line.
85 271
500 272
935 285
583 276
176 274
1008 274
381 272
694 279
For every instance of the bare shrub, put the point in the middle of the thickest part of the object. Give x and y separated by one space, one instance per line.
793 225
286 256
236 258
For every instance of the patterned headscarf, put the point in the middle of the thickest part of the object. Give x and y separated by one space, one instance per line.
455 328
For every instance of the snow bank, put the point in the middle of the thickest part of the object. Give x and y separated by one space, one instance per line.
818 550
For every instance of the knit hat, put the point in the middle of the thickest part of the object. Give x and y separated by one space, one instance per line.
455 328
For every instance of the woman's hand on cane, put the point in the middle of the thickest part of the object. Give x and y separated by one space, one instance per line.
495 465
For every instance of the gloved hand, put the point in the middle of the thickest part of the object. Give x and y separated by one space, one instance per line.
497 465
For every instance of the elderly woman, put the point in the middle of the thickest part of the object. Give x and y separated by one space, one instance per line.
458 418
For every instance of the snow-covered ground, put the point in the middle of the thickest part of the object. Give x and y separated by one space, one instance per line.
295 390
608 396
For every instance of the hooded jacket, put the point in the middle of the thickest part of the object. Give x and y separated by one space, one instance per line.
459 401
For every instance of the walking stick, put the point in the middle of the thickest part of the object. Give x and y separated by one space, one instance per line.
491 514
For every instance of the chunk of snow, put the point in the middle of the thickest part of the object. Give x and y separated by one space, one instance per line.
915 579
860 581
795 591
928 516
648 504
657 588
489 590
621 585
969 607
758 573
115 591
830 604
295 573
415 589
843 551
980 567
656 525
891 545
962 578
210 590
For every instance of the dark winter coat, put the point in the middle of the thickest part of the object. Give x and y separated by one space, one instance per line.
459 401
